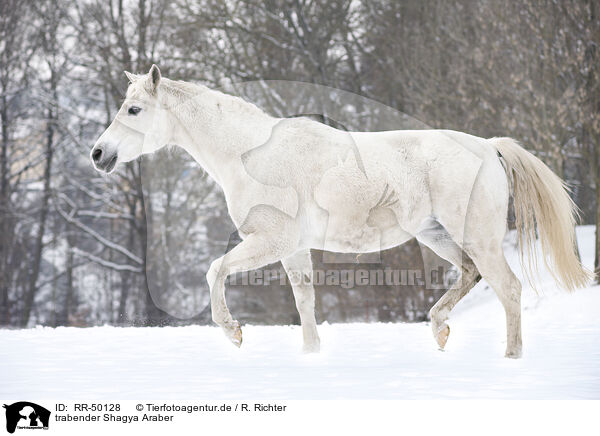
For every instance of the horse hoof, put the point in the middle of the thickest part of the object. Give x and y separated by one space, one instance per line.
442 336
234 333
515 354
311 348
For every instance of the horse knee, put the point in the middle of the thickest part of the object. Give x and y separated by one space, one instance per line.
438 314
214 271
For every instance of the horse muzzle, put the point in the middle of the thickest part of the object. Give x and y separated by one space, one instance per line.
103 159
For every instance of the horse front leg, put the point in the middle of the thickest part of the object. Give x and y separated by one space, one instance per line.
253 252
216 277
298 267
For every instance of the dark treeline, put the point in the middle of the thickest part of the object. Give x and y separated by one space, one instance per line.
75 246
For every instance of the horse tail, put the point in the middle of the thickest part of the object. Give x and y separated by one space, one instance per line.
541 201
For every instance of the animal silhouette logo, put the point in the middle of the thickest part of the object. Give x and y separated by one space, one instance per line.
26 415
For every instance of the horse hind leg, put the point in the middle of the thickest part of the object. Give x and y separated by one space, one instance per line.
437 239
441 310
483 257
484 247
496 271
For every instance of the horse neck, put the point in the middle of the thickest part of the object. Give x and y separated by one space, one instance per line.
216 129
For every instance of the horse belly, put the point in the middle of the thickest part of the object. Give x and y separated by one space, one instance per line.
364 239
352 228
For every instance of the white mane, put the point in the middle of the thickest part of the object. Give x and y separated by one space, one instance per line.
173 93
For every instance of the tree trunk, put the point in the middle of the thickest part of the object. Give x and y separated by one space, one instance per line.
39 240
597 244
154 316
126 277
4 215
63 318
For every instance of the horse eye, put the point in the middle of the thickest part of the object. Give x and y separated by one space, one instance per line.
134 110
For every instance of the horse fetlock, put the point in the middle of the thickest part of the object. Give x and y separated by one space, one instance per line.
312 346
514 352
221 315
233 331
514 347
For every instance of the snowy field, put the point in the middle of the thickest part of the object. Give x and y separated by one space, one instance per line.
561 335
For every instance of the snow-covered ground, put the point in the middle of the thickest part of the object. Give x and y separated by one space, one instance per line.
561 334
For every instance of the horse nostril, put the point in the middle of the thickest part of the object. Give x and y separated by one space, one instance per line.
97 154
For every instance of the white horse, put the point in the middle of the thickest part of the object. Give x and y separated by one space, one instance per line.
293 185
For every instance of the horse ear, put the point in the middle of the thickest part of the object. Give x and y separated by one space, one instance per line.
131 77
153 78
